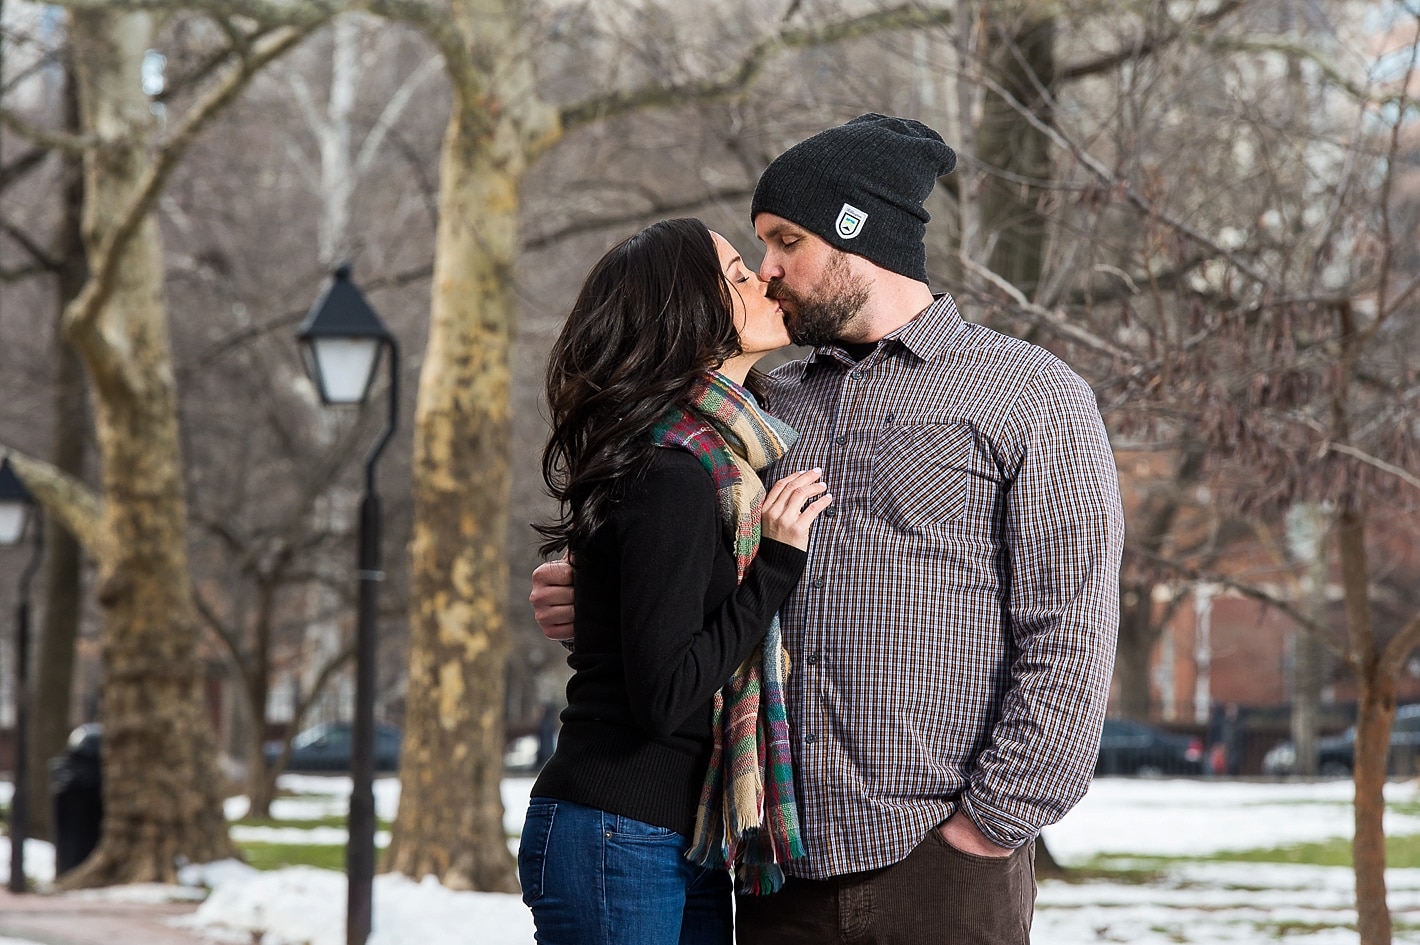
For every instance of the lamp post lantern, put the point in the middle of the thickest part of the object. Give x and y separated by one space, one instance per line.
342 342
17 508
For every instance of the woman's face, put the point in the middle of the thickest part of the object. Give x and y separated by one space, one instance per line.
758 319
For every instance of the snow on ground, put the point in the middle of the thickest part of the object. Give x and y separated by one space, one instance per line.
1182 817
1228 903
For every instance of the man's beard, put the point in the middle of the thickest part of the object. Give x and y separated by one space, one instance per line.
821 318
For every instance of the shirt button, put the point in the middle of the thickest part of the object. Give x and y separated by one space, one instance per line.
830 511
840 439
818 582
813 659
810 739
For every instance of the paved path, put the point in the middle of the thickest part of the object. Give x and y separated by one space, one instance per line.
84 919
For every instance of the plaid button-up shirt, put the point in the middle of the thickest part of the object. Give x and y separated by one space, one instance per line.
953 636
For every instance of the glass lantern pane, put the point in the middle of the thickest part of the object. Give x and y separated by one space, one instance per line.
346 365
13 516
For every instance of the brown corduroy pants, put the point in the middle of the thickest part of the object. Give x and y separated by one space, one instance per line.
939 895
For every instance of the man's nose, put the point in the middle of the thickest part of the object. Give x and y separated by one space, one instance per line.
769 269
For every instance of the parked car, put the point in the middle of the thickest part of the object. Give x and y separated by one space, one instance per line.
1336 754
1128 747
326 747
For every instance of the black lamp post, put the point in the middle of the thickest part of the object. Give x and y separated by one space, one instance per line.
16 509
342 341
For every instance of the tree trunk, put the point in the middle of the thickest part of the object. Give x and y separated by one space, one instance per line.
450 821
161 785
256 687
1046 866
1138 634
1306 535
451 813
1375 714
54 650
1022 60
1140 625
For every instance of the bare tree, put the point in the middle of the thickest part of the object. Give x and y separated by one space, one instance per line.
157 744
57 257
1237 274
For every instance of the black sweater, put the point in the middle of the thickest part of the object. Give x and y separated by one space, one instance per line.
660 626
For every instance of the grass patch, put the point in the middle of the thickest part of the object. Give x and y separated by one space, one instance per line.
1119 871
1281 930
334 820
1401 852
272 856
1412 808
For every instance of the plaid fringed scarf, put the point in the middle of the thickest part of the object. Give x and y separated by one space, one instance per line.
748 816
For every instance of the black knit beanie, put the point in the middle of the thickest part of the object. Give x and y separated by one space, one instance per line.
860 186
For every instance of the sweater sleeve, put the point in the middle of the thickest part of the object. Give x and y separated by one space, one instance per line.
676 653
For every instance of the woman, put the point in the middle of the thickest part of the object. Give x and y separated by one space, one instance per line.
682 561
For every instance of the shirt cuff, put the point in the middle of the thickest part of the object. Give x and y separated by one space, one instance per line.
997 826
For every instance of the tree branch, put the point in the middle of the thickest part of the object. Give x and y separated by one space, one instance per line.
104 261
250 333
65 498
306 15
21 273
1300 618
215 624
1146 46
16 170
1122 186
46 138
390 114
576 228
1400 647
271 13
37 252
1055 321
1370 460
1313 56
306 102
326 671
741 76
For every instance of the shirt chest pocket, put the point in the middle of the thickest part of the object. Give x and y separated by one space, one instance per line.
921 474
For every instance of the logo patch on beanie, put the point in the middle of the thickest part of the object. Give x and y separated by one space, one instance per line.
850 221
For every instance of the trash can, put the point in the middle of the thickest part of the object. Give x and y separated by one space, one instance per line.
75 786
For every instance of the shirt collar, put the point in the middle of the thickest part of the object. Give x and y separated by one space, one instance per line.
926 336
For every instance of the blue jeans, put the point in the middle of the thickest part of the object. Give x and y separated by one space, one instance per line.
594 878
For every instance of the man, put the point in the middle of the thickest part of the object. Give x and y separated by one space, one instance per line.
953 637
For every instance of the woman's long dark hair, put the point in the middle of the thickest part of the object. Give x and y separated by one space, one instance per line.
653 314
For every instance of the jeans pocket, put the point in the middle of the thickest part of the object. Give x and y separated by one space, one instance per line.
625 828
532 848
